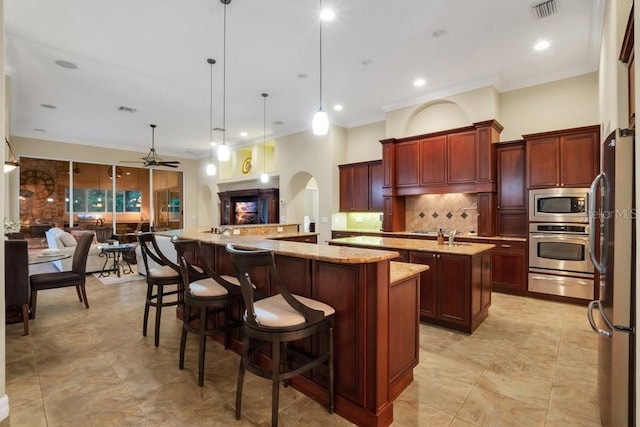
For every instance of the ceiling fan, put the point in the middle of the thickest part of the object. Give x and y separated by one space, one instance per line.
152 159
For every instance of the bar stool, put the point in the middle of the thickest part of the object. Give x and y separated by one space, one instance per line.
166 274
278 320
206 293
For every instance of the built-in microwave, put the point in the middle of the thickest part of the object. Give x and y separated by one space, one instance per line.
558 205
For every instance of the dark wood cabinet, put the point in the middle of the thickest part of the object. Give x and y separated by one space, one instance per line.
512 192
461 158
408 157
627 57
376 179
433 161
566 158
393 214
453 161
486 214
509 266
361 187
303 239
456 290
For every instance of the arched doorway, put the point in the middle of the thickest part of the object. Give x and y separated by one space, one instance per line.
301 201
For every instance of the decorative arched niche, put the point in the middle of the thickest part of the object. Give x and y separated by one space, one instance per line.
435 116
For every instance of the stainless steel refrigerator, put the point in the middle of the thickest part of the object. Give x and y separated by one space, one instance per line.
612 231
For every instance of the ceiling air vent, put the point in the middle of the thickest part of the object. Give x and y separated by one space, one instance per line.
545 9
126 109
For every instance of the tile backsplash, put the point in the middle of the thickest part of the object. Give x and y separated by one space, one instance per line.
454 211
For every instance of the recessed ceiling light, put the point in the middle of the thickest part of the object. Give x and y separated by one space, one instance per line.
338 107
243 134
542 45
278 122
366 62
327 15
66 64
213 144
302 76
49 106
419 82
39 130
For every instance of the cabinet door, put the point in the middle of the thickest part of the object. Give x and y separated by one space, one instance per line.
508 267
433 161
579 159
428 282
543 158
486 214
407 164
346 188
376 177
360 190
453 288
393 215
511 176
461 155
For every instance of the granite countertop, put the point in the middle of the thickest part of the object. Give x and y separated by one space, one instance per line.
337 254
413 234
403 270
457 248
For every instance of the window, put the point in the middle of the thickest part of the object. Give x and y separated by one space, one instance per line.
93 200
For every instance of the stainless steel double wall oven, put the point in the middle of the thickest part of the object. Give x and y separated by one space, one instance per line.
559 248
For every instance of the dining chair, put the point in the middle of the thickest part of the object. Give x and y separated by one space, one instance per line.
279 320
60 279
167 273
207 295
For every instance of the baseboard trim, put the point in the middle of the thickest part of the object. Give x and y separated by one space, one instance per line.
4 407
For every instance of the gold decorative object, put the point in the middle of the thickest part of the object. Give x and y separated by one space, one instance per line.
246 165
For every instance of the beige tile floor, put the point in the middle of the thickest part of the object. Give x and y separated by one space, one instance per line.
532 363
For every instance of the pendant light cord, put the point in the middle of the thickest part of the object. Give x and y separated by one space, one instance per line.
210 111
320 57
224 77
264 133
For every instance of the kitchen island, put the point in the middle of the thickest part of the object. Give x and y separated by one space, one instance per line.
377 322
456 290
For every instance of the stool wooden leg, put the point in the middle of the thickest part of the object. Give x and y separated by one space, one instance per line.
331 387
275 383
145 319
158 314
244 355
183 338
202 345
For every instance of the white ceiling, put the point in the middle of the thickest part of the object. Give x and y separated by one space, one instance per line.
151 55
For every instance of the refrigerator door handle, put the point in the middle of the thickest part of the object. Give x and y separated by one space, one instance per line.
610 325
592 305
600 267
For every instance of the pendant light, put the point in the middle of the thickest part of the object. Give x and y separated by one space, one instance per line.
224 154
211 167
320 122
264 177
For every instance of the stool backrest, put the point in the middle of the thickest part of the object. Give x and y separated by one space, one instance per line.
194 267
243 260
149 249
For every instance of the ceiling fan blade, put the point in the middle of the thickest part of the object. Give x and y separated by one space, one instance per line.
175 162
168 164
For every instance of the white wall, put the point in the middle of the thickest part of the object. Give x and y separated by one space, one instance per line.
363 142
4 400
551 106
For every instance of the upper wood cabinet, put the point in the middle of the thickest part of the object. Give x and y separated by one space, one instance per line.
627 56
456 160
566 158
512 189
361 187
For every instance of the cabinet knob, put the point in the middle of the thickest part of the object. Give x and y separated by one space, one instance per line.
505 246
